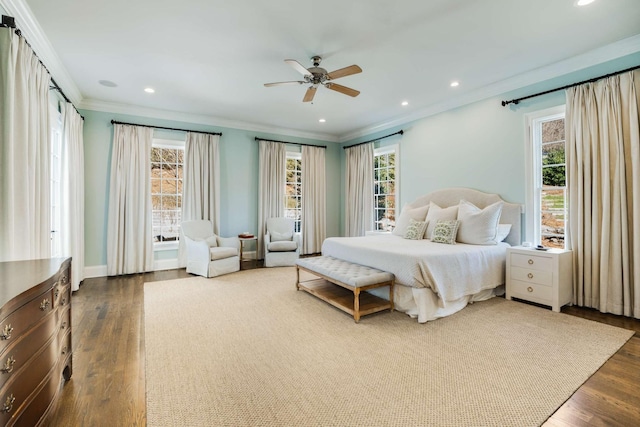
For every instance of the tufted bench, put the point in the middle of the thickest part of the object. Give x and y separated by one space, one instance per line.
351 279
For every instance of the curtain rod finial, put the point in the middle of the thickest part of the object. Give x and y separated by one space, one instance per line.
8 21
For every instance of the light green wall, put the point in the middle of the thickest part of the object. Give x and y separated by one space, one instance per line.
480 145
238 175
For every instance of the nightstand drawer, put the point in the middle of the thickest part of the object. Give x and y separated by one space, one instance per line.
531 291
532 276
531 261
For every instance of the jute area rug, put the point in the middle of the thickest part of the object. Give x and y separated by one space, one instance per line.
247 349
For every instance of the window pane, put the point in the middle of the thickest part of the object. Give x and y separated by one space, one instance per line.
169 202
553 176
553 217
156 202
553 131
553 154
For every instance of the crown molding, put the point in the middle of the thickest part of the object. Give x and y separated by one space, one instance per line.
32 31
133 110
594 57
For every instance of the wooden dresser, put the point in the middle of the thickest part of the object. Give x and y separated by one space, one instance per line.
35 338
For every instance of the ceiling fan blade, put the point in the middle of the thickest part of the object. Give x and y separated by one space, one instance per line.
297 82
298 67
343 89
343 72
308 96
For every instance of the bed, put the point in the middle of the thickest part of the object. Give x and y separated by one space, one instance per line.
435 280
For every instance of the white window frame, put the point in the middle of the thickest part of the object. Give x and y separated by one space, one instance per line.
171 144
387 149
296 156
533 170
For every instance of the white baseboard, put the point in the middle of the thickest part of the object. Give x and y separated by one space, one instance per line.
101 270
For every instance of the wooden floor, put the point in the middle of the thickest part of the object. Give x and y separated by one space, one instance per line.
108 383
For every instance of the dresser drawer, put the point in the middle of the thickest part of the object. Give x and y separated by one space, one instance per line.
41 404
533 261
531 291
15 324
541 277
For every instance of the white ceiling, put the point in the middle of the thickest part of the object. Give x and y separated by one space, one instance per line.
208 59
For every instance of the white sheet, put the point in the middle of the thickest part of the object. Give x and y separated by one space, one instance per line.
450 271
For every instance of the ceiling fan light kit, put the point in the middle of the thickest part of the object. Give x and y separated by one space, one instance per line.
317 76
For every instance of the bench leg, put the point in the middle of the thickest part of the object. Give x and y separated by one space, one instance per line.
297 277
391 295
356 305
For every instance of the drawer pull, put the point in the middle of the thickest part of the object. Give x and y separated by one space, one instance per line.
8 403
44 304
64 279
530 275
64 325
530 261
6 332
57 292
64 350
529 289
63 302
8 365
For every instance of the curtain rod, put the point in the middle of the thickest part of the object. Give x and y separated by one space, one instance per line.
115 122
10 22
400 132
292 143
517 100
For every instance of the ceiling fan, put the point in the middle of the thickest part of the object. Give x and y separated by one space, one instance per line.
316 76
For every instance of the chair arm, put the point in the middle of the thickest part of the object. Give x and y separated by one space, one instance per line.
197 250
297 237
267 240
229 242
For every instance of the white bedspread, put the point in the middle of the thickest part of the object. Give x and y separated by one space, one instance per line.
450 271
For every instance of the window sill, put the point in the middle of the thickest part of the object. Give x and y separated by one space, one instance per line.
165 246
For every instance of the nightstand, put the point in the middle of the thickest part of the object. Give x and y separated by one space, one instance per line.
544 277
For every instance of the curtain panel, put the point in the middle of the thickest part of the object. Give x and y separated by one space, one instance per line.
72 205
603 177
201 184
314 198
129 231
25 224
271 175
359 190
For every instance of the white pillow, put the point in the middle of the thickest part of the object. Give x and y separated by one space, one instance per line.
407 214
503 232
436 213
478 226
279 237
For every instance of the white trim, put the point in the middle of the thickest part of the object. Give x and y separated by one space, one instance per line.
532 170
95 271
165 246
165 264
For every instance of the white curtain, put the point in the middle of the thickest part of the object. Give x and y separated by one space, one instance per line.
72 206
129 231
359 191
603 176
271 173
201 183
25 224
314 197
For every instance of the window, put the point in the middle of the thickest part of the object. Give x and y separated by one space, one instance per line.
547 208
293 189
167 161
56 180
385 188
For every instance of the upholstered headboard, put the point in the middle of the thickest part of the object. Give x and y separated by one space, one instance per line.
511 212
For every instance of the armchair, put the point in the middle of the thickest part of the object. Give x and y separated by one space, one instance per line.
281 244
209 255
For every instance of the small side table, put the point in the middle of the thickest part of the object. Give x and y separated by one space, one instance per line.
243 240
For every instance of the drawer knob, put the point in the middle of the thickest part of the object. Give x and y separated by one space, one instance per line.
530 275
8 365
44 304
64 350
64 325
57 292
6 332
529 289
8 403
530 261
63 302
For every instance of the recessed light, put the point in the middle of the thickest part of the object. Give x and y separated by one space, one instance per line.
405 103
149 90
107 83
322 120
584 2
455 84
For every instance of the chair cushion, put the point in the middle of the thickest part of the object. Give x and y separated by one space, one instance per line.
282 246
221 252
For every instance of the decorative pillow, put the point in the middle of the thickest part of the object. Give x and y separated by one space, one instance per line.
212 241
437 213
415 230
279 237
478 226
503 232
445 231
407 214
